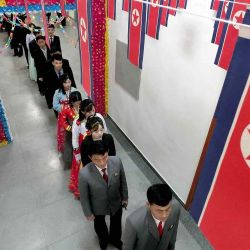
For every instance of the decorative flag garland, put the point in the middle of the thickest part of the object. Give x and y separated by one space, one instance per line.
5 133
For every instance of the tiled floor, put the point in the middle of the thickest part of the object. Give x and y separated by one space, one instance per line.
36 210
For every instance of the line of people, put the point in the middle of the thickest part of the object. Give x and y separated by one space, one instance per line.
97 175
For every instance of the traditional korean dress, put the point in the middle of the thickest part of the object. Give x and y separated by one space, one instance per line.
64 135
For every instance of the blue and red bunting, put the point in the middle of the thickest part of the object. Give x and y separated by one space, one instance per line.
36 7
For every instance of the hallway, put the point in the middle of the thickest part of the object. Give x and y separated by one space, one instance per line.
36 210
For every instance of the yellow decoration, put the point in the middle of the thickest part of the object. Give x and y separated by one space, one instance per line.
3 143
2 3
106 61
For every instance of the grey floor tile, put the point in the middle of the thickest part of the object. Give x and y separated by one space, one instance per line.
62 219
17 202
51 188
24 233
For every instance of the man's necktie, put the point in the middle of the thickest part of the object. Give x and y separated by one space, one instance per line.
51 40
160 229
104 176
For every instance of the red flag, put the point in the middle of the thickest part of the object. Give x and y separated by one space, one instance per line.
165 13
84 14
125 5
62 5
215 4
111 9
27 11
136 32
218 31
154 19
182 4
229 37
45 25
228 206
173 4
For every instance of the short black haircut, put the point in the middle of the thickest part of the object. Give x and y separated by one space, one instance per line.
93 123
159 194
74 97
51 26
57 57
97 148
40 37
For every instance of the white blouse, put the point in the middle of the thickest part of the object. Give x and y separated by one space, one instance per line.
29 37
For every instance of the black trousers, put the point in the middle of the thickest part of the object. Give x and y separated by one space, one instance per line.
114 235
26 52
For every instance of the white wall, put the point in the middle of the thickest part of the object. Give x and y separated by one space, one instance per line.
179 91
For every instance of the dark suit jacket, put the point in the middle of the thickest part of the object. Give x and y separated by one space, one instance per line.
40 61
98 197
55 45
33 47
53 82
141 232
106 138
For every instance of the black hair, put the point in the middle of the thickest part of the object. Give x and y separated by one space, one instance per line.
93 123
97 148
51 26
86 106
63 79
32 24
40 37
54 50
159 194
57 57
74 97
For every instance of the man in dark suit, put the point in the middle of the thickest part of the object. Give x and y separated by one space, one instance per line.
54 41
103 191
153 226
52 77
33 46
41 55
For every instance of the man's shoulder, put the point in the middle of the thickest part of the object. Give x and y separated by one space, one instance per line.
86 169
114 160
137 217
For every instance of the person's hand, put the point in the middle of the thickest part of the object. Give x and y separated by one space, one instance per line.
125 204
40 79
90 218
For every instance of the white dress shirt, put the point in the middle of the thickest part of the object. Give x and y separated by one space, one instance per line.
100 170
158 221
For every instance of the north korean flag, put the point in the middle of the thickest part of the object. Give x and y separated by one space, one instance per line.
215 4
165 13
125 5
229 194
136 32
154 19
111 9
223 12
173 4
229 36
182 4
221 202
84 21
